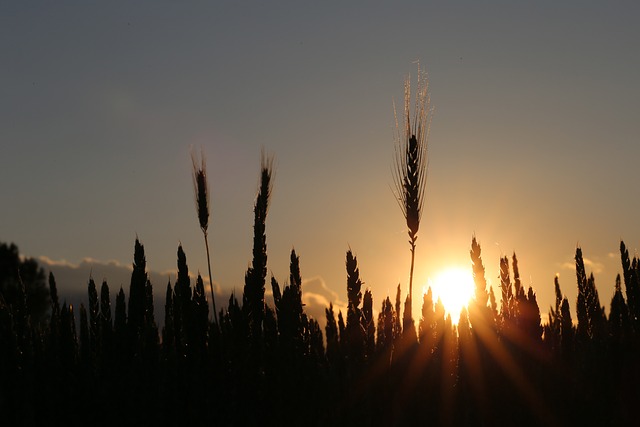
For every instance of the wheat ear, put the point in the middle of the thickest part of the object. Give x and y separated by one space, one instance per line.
201 189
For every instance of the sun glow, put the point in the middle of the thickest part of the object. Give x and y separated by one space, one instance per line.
455 287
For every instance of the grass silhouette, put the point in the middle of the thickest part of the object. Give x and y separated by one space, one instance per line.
410 169
201 189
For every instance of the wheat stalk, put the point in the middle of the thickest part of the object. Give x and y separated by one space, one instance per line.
201 189
253 298
410 166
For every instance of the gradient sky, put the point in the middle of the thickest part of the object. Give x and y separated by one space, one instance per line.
534 144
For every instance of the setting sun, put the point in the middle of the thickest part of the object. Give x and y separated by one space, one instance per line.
455 287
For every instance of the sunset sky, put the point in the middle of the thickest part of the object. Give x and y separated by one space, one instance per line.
534 142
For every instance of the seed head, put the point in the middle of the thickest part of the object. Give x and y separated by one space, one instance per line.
201 189
410 168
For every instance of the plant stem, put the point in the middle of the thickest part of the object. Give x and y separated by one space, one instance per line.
213 298
413 253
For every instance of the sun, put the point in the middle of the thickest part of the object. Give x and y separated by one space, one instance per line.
455 287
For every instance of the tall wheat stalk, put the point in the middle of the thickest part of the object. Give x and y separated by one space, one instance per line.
410 166
202 206
254 288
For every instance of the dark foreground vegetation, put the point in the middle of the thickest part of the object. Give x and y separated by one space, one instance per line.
272 365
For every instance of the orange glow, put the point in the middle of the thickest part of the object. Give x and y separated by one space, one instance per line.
455 287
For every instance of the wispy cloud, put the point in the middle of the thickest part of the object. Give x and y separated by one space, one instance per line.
594 267
316 296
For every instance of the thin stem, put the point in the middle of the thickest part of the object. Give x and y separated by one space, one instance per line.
213 298
413 252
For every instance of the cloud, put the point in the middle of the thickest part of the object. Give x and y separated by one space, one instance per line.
316 285
591 266
316 296
74 277
568 266
596 267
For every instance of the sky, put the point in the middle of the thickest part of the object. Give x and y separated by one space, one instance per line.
533 145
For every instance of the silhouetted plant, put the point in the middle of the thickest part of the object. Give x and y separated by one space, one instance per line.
567 331
493 305
201 188
53 291
386 327
13 269
270 337
397 323
342 333
120 325
427 327
234 330
94 312
368 324
200 312
553 327
316 343
277 294
590 313
290 311
355 330
331 333
68 338
85 348
253 296
619 321
507 305
105 325
150 329
410 168
481 296
632 286
408 326
168 330
530 315
21 315
54 322
443 323
137 298
479 312
517 285
182 311
9 364
464 330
